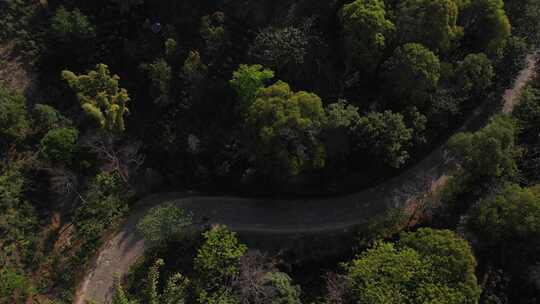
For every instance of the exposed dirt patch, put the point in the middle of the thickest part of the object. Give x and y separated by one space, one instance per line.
14 74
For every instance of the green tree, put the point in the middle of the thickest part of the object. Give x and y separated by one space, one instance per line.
164 223
286 126
524 16
416 270
160 74
47 117
218 258
247 80
366 28
100 97
486 26
276 47
450 257
513 59
71 26
488 153
14 125
213 31
341 115
512 215
174 291
14 286
58 145
432 23
384 135
527 112
474 74
103 204
279 289
412 73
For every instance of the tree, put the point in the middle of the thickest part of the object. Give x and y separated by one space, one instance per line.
71 26
247 80
366 28
100 97
432 23
194 69
513 59
384 135
102 205
488 153
47 117
213 31
218 258
160 74
174 292
277 47
524 16
513 215
279 289
58 145
412 73
164 223
421 273
449 256
285 126
13 117
486 26
527 112
474 74
14 286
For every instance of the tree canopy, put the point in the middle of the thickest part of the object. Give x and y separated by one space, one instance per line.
100 96
286 126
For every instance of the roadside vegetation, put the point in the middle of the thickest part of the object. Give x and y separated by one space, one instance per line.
131 97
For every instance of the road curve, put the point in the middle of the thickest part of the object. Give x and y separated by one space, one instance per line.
275 217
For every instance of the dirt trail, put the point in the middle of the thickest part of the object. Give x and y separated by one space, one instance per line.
276 217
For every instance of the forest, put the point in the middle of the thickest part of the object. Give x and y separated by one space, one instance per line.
270 152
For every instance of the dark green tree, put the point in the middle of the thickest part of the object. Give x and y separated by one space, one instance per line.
474 74
58 145
432 23
384 136
366 28
488 153
14 124
486 26
412 73
71 26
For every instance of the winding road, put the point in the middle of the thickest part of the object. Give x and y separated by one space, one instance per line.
278 217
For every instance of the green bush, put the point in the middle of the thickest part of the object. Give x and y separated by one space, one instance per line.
164 223
58 145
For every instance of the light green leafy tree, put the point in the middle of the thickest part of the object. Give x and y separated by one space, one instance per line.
247 80
100 97
286 125
366 28
218 258
427 266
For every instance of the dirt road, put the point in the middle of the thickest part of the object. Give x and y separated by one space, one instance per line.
276 217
